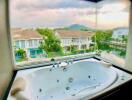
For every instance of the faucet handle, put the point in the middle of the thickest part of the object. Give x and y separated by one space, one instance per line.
63 64
55 63
71 61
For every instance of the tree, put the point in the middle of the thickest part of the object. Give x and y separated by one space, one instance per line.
21 53
51 43
101 36
73 49
124 38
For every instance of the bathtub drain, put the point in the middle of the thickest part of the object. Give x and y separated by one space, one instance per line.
67 88
57 81
70 80
40 90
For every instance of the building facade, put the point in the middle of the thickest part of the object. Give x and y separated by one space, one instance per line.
79 39
28 40
119 32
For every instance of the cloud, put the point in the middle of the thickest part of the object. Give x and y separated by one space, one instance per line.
113 6
50 4
53 17
113 20
113 13
60 13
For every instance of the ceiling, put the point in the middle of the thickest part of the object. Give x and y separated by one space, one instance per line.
93 0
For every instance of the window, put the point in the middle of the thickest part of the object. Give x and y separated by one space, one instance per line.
30 42
78 27
113 20
35 43
39 41
17 45
23 43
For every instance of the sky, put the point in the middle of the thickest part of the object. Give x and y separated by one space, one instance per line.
113 13
63 13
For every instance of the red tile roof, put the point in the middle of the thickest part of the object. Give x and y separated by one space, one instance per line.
24 34
73 33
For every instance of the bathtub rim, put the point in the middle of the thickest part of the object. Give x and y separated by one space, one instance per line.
65 58
98 89
94 57
68 66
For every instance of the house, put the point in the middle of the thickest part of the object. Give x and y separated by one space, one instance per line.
28 40
119 32
79 39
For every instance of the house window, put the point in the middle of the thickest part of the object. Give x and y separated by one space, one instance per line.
35 43
40 41
83 46
30 42
23 43
88 38
17 44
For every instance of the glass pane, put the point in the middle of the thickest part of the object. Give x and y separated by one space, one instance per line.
44 30
112 29
23 44
30 42
17 44
51 30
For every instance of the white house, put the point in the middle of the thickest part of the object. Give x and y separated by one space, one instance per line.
119 32
79 39
28 40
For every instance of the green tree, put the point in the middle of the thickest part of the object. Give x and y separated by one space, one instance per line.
21 53
73 49
124 38
51 43
100 37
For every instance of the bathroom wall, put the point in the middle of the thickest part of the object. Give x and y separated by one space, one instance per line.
6 63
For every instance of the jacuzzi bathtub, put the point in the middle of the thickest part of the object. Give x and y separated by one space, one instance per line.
78 81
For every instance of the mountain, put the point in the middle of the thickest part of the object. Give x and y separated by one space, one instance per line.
78 27
121 28
121 31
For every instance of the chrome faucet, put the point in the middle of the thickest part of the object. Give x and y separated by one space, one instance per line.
55 64
69 61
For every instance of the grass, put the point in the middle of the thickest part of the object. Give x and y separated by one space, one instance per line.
59 54
55 54
22 59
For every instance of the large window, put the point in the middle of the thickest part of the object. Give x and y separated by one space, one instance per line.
64 27
68 27
112 29
17 44
30 43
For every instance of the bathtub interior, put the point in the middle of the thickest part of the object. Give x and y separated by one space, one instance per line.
78 81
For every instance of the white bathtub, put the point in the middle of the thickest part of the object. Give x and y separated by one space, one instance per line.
78 81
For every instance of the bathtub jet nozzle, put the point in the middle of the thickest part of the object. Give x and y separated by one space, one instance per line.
69 61
55 64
